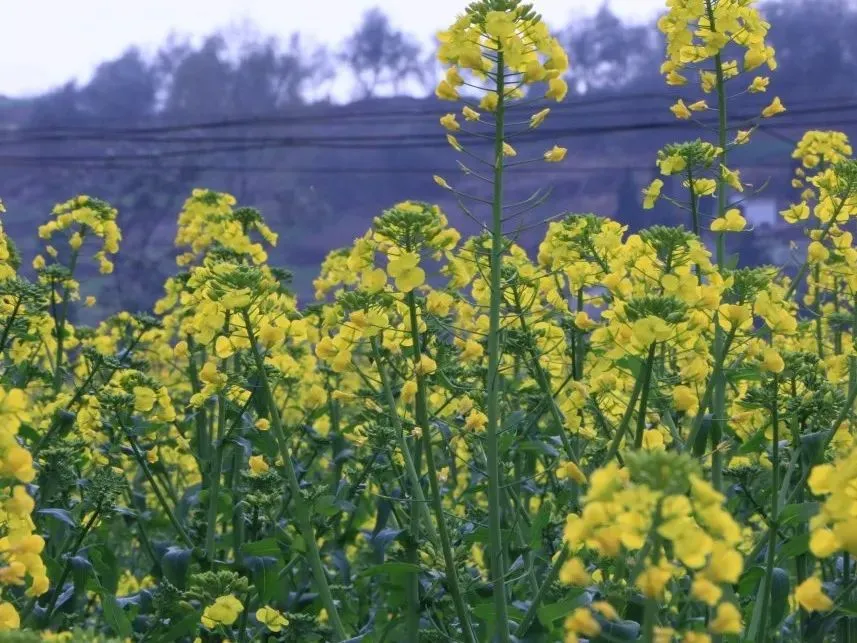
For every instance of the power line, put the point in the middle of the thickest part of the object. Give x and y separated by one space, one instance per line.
420 141
542 169
336 115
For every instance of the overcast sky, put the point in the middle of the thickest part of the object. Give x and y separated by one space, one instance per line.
47 42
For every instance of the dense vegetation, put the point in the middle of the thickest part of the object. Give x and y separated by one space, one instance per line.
623 436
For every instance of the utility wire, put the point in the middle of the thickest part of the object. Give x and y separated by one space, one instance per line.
343 115
420 141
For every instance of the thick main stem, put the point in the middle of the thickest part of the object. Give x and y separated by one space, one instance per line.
214 481
492 384
141 460
419 511
774 515
547 583
644 397
302 513
410 469
49 610
434 486
719 401
59 322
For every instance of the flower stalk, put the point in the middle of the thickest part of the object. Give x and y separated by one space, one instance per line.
302 511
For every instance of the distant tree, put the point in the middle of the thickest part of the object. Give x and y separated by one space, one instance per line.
303 72
124 88
606 53
197 81
827 64
57 108
378 55
628 200
266 77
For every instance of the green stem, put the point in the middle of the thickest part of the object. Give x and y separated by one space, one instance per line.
816 308
202 440
719 403
644 397
71 553
613 450
544 386
650 620
694 203
410 469
822 236
773 517
419 509
56 422
650 610
532 611
302 512
242 623
141 460
846 582
238 525
214 482
8 326
434 486
843 414
492 385
719 360
59 322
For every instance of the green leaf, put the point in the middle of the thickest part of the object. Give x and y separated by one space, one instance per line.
537 446
554 611
391 567
80 570
542 520
487 612
753 444
812 445
800 511
480 535
59 514
264 442
106 567
780 589
749 581
818 626
266 547
266 573
175 564
632 364
702 436
185 627
326 505
744 373
795 546
756 616
29 434
383 539
513 421
848 609
620 630
115 615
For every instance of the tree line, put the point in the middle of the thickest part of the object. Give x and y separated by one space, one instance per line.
320 180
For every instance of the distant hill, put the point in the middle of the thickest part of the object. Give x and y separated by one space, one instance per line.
142 134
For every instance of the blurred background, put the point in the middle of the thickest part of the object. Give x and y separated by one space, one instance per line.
322 116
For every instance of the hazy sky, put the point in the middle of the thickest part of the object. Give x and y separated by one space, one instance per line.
46 42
